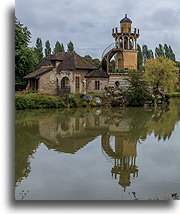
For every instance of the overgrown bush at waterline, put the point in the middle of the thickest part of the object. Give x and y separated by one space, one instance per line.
34 101
137 93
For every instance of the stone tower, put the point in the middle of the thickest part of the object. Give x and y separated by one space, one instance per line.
125 39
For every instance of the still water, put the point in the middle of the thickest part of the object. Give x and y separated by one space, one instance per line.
98 154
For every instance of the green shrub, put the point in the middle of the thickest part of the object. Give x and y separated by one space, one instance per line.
32 101
137 93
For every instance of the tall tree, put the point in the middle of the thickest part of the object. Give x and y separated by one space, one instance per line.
145 53
166 51
48 48
161 72
57 48
139 57
62 46
70 47
39 49
171 54
25 57
150 54
159 51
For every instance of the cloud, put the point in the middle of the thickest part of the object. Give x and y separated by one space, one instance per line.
88 23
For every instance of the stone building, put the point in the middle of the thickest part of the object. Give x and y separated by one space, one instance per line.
67 72
60 73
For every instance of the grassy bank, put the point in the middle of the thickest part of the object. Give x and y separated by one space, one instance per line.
40 101
173 94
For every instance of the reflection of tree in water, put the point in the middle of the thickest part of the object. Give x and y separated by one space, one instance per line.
141 122
70 130
25 147
163 125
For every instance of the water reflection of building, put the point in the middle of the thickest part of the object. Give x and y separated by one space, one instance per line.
71 130
69 134
124 156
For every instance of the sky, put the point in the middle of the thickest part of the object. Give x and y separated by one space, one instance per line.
88 23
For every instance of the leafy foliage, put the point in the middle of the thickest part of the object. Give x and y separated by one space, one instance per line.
139 57
39 49
95 62
48 48
25 57
58 48
146 53
161 72
33 101
70 47
137 92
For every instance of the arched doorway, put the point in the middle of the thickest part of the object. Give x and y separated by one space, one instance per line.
65 86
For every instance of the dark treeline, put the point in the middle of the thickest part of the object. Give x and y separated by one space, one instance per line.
144 54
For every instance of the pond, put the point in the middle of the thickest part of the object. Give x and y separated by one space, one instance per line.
98 154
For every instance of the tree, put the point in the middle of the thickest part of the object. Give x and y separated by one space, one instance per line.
22 35
137 92
171 54
25 57
58 48
95 62
48 48
70 47
62 46
161 72
151 54
39 49
145 53
159 51
166 51
139 57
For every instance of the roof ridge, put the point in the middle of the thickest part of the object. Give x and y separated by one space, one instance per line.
74 58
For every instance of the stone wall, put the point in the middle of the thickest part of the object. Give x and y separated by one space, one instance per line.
90 85
71 75
48 83
122 79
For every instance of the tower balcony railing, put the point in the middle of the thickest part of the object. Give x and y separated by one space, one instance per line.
122 31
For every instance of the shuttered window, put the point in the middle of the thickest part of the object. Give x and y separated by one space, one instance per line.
97 85
77 82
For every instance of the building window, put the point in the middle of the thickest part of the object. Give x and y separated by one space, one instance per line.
65 83
77 82
97 85
53 63
117 83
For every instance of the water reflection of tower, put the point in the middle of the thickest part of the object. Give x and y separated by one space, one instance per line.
124 155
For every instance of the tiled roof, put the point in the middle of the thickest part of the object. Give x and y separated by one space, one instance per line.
38 72
73 61
97 74
69 61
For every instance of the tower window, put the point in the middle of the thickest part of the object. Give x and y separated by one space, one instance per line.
97 85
